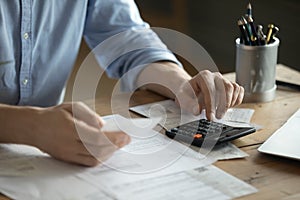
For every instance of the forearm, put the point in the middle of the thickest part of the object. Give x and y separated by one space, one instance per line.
17 124
164 78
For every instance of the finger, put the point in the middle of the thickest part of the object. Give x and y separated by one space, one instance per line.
236 92
187 99
188 104
240 97
82 112
103 152
89 161
205 81
201 102
100 152
71 152
225 91
118 138
90 135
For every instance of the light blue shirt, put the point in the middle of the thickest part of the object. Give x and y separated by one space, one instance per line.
40 40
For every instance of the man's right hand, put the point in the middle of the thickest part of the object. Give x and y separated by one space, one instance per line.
69 132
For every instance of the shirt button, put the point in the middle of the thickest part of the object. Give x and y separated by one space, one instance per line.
26 36
25 81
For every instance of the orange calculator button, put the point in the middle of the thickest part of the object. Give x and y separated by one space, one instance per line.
198 135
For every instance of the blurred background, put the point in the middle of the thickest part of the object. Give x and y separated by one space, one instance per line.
213 24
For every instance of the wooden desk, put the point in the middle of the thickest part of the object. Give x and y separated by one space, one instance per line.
274 177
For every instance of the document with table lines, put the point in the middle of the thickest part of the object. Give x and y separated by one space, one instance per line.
48 178
174 186
207 182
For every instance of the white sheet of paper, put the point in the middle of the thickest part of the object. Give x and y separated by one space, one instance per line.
222 181
172 116
169 187
242 115
238 117
135 127
169 112
15 159
51 179
225 151
202 183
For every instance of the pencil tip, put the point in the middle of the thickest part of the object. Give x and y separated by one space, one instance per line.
249 6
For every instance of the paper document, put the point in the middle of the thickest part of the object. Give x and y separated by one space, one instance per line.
15 159
150 167
50 180
202 183
242 115
174 186
172 116
135 127
61 181
169 112
222 181
226 151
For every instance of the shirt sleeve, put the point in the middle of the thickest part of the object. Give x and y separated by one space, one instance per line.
122 42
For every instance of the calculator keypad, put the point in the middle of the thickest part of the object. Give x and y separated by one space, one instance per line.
195 132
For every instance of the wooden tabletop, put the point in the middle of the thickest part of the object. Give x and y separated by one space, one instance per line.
274 177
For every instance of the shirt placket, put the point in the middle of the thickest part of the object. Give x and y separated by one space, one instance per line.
26 43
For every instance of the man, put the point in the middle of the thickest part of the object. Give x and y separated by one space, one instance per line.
39 45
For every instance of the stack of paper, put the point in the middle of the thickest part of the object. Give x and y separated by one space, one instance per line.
151 167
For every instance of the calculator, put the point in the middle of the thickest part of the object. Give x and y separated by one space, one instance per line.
196 132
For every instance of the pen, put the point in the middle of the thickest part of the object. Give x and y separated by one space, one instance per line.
249 14
260 34
289 85
244 21
269 34
254 36
249 10
244 38
274 32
